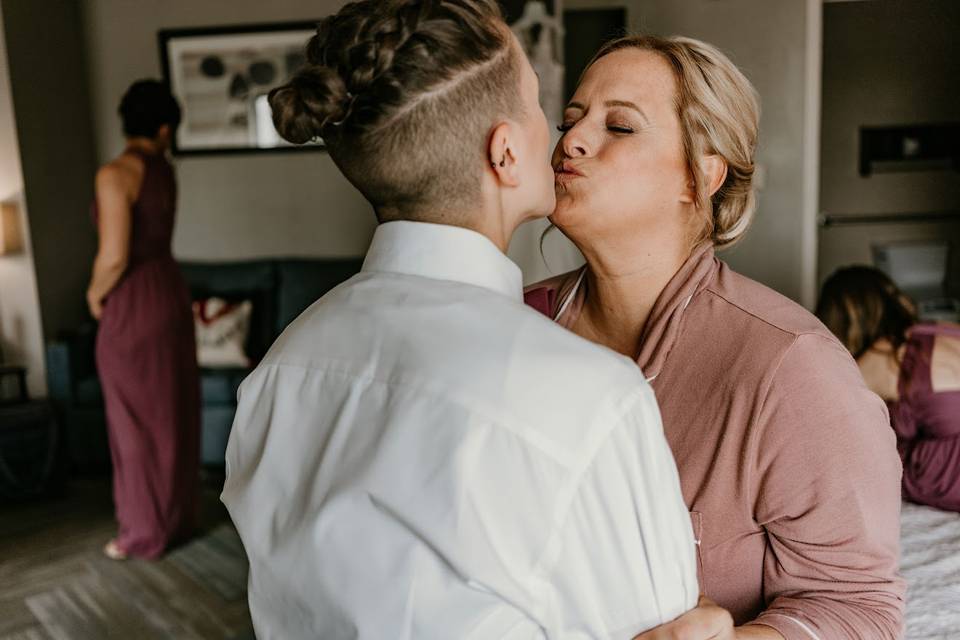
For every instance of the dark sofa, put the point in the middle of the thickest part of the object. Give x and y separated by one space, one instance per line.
280 290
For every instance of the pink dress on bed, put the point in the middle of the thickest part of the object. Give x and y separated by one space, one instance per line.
147 363
927 425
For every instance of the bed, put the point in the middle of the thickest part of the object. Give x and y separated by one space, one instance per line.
930 561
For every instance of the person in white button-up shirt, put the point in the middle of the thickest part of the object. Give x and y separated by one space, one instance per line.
420 455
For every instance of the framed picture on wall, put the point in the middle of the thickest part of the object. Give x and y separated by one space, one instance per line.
221 76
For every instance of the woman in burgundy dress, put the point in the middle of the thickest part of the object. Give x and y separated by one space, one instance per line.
146 354
914 367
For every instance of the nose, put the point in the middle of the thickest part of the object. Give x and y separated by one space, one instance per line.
574 144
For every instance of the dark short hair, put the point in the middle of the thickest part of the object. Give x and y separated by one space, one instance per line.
404 94
146 106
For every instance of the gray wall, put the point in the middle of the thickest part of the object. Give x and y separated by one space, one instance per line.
244 206
889 62
51 105
776 44
21 337
80 57
230 207
768 40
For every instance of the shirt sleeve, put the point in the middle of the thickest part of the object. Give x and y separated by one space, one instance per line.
828 495
623 559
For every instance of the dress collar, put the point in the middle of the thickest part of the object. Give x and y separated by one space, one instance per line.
666 318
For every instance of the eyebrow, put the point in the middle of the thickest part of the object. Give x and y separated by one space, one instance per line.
613 103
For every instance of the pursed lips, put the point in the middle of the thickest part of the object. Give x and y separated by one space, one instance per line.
566 170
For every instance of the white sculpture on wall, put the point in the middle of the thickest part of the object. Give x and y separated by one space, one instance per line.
541 35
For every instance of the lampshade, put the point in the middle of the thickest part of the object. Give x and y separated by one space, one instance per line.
11 240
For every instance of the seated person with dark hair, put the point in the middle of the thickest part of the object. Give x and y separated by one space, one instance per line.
914 366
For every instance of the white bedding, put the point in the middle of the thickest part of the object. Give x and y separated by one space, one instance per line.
930 561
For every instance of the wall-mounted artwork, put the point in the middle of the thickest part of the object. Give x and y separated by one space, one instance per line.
221 77
926 147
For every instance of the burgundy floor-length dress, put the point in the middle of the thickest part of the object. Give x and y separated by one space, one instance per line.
146 359
927 425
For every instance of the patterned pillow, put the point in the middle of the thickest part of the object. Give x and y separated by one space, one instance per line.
222 329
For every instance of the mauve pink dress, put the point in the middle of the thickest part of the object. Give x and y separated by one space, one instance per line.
927 425
146 360
787 461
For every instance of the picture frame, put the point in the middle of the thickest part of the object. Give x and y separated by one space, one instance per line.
221 77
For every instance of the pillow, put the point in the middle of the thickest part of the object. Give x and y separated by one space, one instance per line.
221 329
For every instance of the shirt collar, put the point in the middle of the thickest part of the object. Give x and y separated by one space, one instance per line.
443 252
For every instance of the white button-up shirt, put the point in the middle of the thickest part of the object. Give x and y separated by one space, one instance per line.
422 456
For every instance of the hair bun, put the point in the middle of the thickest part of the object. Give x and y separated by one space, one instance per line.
311 100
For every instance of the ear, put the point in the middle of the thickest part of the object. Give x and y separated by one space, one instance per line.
164 133
501 154
688 196
715 171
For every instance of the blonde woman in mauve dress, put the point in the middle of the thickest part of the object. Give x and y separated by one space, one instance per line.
786 460
146 354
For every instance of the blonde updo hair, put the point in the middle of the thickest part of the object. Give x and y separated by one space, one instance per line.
719 114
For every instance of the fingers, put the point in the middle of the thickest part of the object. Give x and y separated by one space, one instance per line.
707 621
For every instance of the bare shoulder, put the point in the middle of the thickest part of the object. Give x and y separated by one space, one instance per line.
945 363
124 173
881 370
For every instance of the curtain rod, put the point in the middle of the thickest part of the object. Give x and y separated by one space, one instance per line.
837 219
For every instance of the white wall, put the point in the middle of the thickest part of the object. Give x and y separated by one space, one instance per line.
20 327
230 207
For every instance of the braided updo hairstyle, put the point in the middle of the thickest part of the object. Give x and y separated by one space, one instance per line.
404 94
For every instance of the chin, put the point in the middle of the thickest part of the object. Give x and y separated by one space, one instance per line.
564 212
539 212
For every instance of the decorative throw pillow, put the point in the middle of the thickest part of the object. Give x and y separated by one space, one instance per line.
222 329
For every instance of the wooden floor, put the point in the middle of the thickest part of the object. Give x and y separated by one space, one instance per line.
56 585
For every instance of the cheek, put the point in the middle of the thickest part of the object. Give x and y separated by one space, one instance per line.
647 176
627 187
